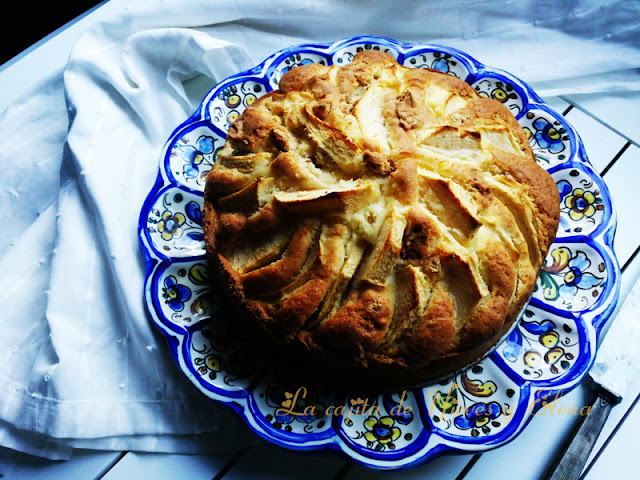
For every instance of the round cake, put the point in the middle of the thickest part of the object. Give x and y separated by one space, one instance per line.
380 223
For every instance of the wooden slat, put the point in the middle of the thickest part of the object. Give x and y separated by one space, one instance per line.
269 462
83 464
617 110
445 468
50 54
632 272
600 142
622 180
163 466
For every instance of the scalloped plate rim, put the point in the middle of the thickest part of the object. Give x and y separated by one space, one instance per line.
240 405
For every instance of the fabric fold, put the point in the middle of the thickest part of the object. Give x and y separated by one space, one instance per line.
105 338
113 378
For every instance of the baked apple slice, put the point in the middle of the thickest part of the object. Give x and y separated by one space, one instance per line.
345 196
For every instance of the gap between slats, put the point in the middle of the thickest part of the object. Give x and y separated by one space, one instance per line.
615 159
232 461
111 465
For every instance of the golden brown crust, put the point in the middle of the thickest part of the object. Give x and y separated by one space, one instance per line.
377 220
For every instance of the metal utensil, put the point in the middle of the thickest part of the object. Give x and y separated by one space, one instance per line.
616 362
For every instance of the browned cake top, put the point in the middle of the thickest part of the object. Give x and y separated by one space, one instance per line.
385 214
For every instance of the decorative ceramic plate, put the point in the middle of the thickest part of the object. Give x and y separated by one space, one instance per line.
547 354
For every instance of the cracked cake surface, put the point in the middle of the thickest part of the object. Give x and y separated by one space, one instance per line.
383 222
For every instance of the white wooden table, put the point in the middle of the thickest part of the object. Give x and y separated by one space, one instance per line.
610 130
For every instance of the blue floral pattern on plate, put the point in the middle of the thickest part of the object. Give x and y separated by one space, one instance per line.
548 352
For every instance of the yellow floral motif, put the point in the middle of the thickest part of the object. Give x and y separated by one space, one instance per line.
581 204
171 225
478 388
561 257
214 362
381 430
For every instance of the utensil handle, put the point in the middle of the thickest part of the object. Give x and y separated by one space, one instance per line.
571 459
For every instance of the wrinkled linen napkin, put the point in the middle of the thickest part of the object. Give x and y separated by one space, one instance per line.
83 366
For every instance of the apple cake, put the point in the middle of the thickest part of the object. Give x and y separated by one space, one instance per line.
381 223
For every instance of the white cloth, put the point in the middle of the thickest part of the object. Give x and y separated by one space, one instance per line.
83 367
